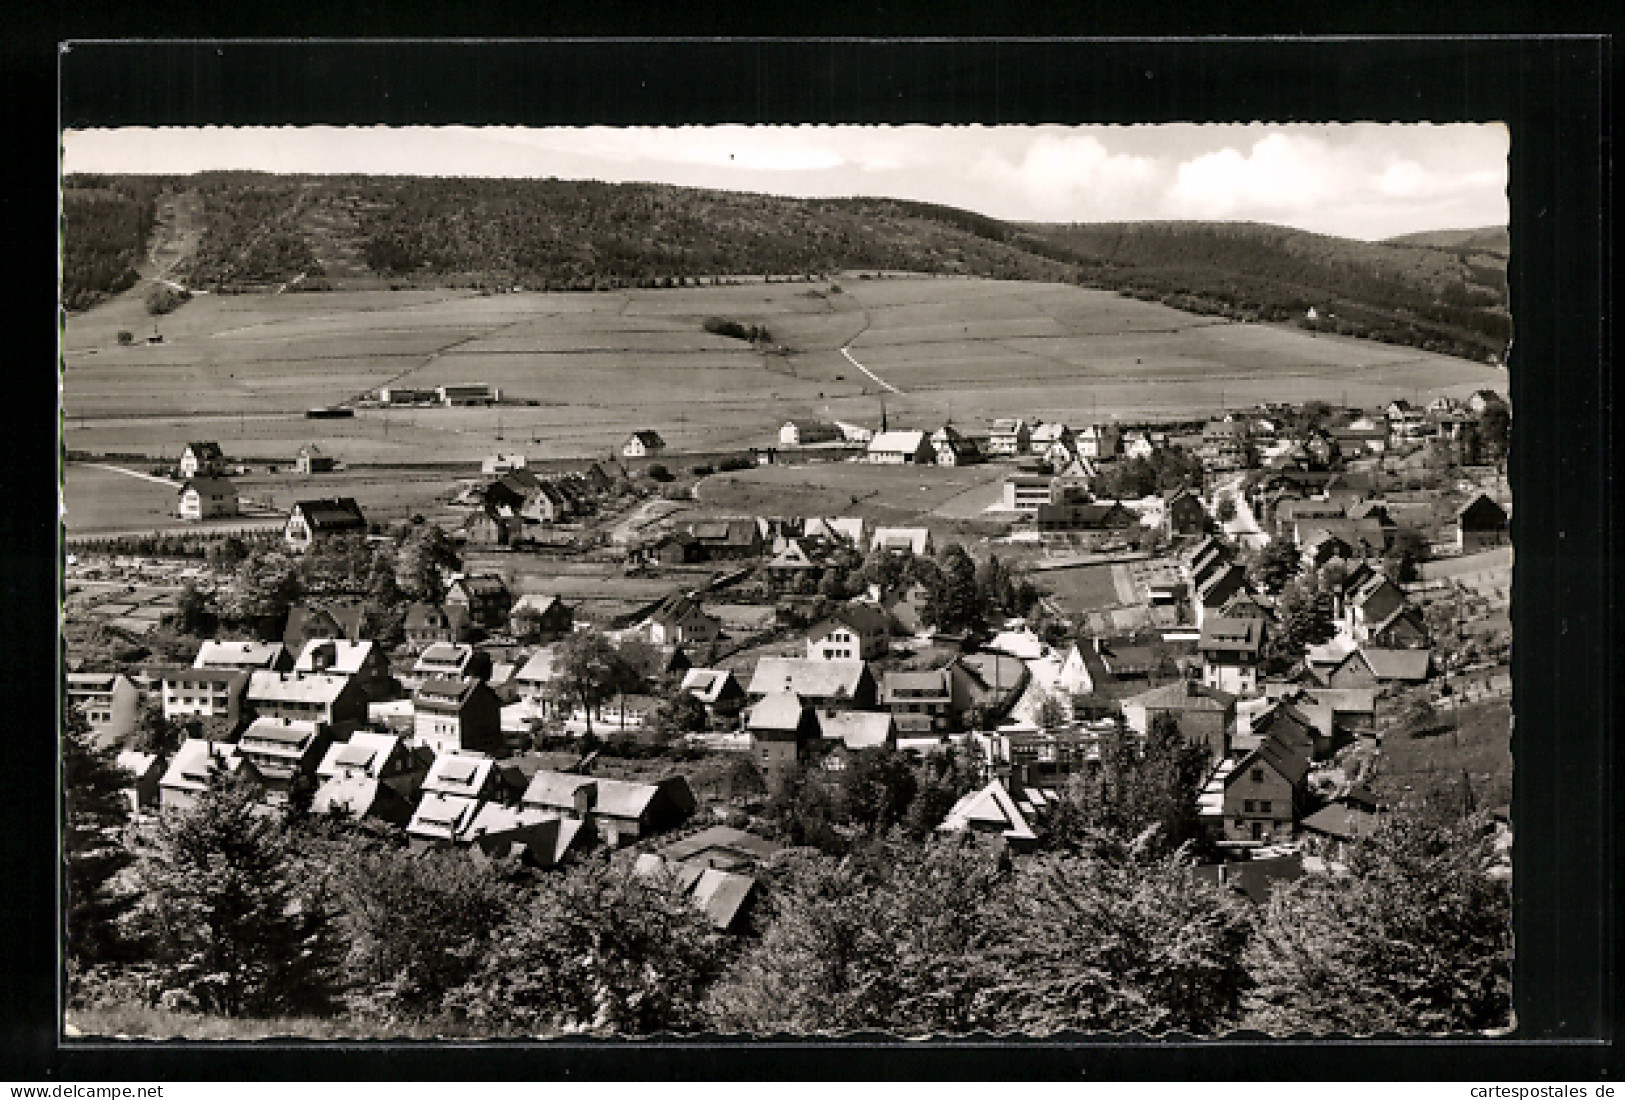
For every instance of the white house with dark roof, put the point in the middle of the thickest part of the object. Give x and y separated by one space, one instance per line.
1009 436
643 444
203 457
1231 652
620 811
337 701
914 540
457 715
852 631
363 662
207 498
282 749
311 521
109 701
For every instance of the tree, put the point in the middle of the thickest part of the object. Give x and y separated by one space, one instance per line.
1495 432
153 732
1052 713
1274 565
1305 613
598 949
588 671
995 588
876 788
416 923
1225 510
1121 944
266 585
1415 938
1406 550
952 603
426 554
192 615
96 810
680 714
885 570
235 920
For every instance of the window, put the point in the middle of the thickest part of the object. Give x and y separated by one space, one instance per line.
1258 775
1264 807
1247 806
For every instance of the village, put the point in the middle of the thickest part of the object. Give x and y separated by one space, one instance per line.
572 657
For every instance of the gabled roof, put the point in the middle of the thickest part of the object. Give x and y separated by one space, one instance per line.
536 604
1398 664
189 768
648 438
302 687
902 442
778 710
446 691
1342 822
205 449
1219 632
858 729
811 679
138 764
1290 762
1183 695
333 618
1482 505
332 513
346 657
421 615
612 797
279 736
916 685
443 816
445 655
991 806
243 655
353 794
859 617
459 774
537 670
707 684
479 585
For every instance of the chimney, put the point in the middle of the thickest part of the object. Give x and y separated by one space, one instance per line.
584 798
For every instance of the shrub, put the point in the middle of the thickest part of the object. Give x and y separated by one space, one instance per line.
164 298
125 337
658 472
702 470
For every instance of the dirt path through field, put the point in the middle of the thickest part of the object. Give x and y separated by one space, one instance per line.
846 350
156 480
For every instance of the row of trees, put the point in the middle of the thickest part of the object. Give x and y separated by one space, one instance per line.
235 912
1167 468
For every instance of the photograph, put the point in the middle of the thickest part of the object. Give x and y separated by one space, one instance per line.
739 580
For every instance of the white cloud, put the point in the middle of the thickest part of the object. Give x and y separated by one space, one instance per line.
1282 172
1070 178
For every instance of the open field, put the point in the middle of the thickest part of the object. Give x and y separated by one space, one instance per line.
1482 747
98 499
242 368
1086 588
885 494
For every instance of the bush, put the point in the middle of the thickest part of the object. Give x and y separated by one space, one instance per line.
657 472
163 299
702 470
735 462
125 337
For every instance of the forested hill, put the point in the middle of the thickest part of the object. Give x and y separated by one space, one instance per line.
322 232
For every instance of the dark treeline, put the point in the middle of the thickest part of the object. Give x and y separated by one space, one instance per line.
106 222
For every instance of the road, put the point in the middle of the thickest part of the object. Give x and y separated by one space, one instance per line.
1244 527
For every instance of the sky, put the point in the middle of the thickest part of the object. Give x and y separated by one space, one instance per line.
1368 181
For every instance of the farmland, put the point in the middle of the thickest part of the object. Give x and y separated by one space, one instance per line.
242 368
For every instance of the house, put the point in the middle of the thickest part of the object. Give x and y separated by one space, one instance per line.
311 460
146 771
1231 651
856 730
309 620
989 683
457 715
201 459
1025 492
109 701
723 896
837 529
207 498
356 796
445 659
482 600
901 448
679 620
899 540
1203 713
1263 792
1402 629
1060 453
501 463
782 727
1337 713
1046 435
428 624
953 449
205 693
1076 677
836 684
534 683
1138 445
620 812
726 539
718 689
312 521
188 773
547 502
1074 477
283 749
1370 604
1481 523
1094 524
1321 546
1225 446
401 395
1217 588
804 433
643 444
1369 665
1183 513
1282 719
1405 421
539 618
364 662
335 700
852 631
921 703
243 656
1009 437
990 812
1096 441
375 756
492 525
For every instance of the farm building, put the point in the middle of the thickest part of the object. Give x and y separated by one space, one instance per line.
208 498
467 393
954 449
1097 441
898 540
500 463
201 458
643 444
540 618
803 433
401 395
782 727
901 448
311 460
1480 524
310 521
